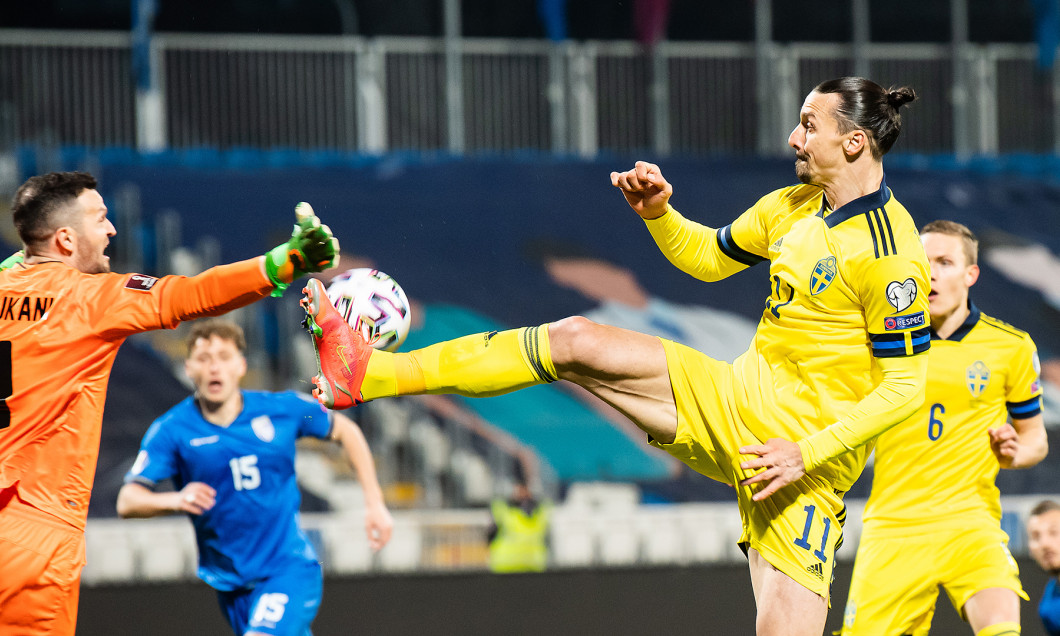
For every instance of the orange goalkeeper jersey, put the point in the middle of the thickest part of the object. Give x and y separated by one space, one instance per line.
60 330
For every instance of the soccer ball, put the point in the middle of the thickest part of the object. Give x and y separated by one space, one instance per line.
373 304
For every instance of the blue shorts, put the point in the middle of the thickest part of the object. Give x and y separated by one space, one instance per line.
284 604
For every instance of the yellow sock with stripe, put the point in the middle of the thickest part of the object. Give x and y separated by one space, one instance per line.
479 365
1000 629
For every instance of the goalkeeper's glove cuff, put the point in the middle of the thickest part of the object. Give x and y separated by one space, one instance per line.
279 267
12 260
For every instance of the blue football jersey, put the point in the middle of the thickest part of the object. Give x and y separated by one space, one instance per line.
252 531
1049 608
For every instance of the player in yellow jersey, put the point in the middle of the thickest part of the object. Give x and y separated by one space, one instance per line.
934 515
837 358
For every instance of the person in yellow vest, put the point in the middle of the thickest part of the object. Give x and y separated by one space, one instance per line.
518 536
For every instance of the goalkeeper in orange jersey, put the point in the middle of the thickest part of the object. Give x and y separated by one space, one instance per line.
63 315
836 360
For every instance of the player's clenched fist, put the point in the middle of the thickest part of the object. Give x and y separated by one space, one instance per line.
645 189
311 248
1005 442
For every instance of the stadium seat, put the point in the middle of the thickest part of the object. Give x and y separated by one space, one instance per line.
572 538
707 540
161 548
314 472
345 495
395 416
472 474
108 553
662 535
430 445
601 496
346 546
403 553
618 538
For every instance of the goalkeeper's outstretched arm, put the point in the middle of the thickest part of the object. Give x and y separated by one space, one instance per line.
311 248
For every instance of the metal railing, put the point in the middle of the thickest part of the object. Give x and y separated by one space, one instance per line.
426 95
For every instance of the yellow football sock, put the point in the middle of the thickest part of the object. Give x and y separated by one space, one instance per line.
479 365
1000 629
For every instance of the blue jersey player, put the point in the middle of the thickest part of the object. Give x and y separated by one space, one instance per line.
1043 532
230 453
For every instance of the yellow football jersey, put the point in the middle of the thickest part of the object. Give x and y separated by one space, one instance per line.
845 286
938 464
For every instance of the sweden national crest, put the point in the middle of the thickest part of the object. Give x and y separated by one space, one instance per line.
978 376
823 274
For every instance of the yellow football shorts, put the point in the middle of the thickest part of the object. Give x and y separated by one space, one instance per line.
798 528
897 572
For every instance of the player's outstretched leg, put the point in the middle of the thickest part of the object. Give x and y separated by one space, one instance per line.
628 370
479 365
342 353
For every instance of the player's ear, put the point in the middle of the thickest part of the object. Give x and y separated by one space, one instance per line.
242 366
855 141
65 239
971 275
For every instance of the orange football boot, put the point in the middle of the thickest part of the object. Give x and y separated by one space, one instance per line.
342 353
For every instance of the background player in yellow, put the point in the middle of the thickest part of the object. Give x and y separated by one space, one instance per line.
834 363
934 515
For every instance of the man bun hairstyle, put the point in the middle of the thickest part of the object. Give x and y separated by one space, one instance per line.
39 203
865 105
896 97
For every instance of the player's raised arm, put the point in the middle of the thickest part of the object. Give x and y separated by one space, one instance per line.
645 189
704 252
218 290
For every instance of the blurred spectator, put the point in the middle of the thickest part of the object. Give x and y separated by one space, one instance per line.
518 534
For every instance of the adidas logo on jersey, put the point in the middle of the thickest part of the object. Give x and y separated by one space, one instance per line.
817 570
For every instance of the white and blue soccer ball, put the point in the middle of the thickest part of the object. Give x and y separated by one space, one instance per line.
373 304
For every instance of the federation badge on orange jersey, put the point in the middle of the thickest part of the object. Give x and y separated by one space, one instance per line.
140 282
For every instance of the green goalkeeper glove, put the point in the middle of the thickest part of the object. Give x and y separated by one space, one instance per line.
311 248
12 260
